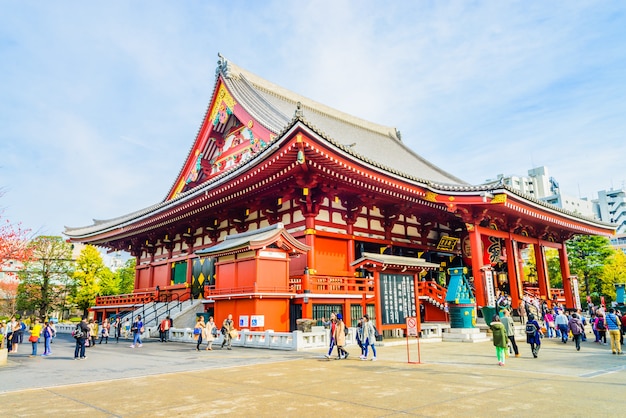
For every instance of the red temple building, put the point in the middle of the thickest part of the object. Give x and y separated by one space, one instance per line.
287 209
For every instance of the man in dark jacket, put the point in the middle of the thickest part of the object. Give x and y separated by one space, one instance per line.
81 333
576 326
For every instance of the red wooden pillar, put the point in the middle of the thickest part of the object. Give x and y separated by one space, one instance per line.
309 239
137 264
377 302
565 274
542 274
477 262
418 313
511 263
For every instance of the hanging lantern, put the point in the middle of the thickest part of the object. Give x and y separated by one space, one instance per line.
300 157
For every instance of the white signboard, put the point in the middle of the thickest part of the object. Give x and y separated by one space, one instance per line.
491 294
411 326
576 292
257 321
243 321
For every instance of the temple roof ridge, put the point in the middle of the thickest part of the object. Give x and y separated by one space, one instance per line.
272 89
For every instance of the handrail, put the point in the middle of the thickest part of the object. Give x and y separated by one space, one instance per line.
433 290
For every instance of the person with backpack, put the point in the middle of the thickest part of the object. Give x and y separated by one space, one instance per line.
600 326
533 335
80 334
576 326
47 338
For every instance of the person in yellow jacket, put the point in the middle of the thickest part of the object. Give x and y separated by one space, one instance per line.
35 333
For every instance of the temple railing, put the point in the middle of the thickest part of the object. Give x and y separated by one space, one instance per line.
213 291
532 291
332 284
433 291
138 298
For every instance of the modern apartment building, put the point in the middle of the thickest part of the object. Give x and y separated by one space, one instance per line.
540 185
611 207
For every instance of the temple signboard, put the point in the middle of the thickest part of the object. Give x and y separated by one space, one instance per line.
397 298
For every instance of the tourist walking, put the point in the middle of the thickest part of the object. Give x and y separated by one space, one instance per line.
127 327
509 326
576 326
600 325
106 326
548 319
210 333
93 333
533 335
164 327
229 332
48 333
198 331
9 334
137 330
117 328
369 337
561 321
623 321
521 310
340 338
359 335
500 339
81 334
332 324
614 326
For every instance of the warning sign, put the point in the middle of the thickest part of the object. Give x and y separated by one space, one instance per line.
411 326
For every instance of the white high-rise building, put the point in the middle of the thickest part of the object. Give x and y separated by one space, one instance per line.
540 185
611 207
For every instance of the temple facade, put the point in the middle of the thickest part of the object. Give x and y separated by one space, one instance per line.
287 209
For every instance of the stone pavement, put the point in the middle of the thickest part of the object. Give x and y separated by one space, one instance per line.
453 379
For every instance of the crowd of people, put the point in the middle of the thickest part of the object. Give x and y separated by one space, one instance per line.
365 336
12 334
556 322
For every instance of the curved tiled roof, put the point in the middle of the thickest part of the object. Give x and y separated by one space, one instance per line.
274 106
279 110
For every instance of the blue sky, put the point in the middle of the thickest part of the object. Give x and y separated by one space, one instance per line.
101 101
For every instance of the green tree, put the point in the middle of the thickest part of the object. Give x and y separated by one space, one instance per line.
46 279
614 272
587 256
89 270
108 283
126 277
554 268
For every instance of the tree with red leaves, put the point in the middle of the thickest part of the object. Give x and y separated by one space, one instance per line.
14 251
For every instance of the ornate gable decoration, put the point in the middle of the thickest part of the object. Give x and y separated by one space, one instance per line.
226 144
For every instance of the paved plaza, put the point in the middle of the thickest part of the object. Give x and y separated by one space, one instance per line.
453 379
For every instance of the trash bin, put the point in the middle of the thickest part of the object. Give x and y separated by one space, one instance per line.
462 316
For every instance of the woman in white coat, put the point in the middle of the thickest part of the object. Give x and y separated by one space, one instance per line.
209 333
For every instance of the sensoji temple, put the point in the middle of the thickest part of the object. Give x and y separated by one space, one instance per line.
287 209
